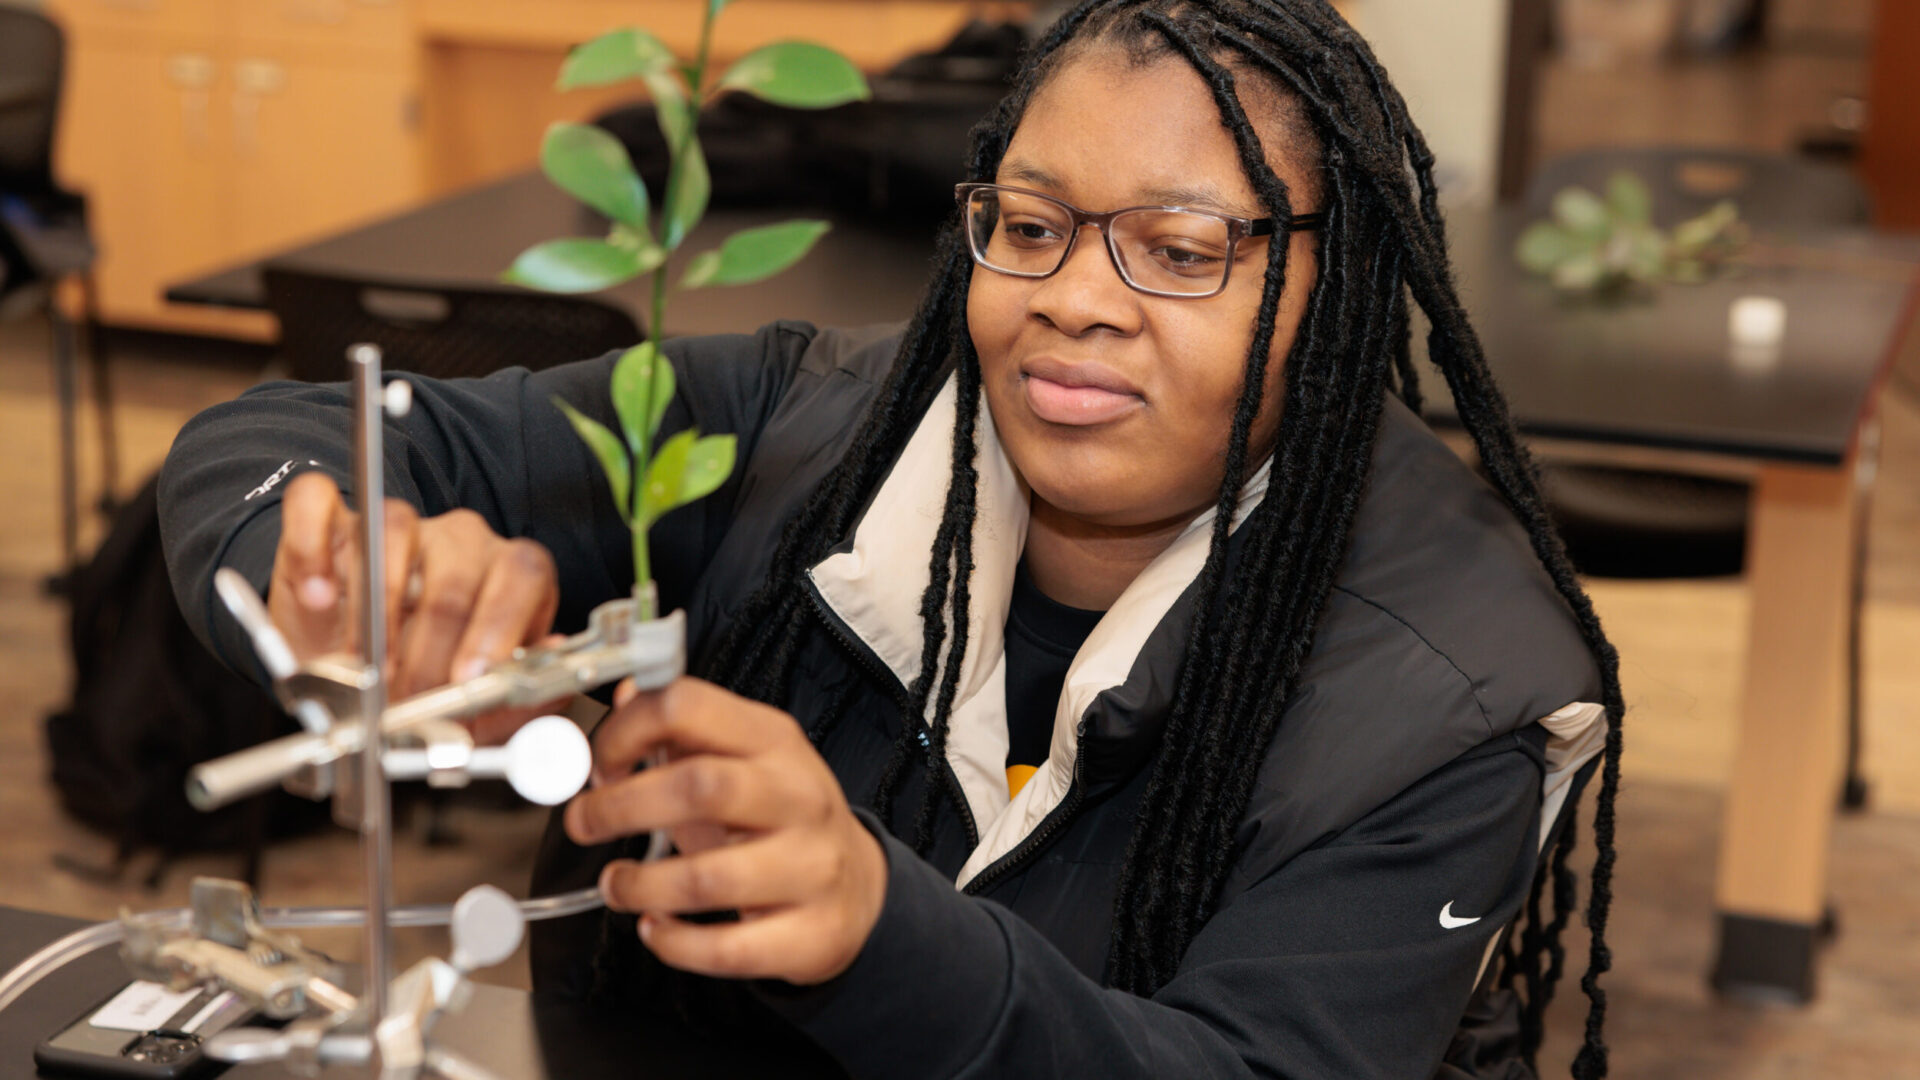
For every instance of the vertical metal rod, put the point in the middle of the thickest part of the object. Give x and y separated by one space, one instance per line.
376 826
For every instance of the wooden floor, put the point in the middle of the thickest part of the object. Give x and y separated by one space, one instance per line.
1681 646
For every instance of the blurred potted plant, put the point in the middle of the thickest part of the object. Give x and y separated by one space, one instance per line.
1595 244
592 166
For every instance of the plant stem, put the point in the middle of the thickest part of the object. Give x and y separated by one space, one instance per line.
642 575
700 57
643 454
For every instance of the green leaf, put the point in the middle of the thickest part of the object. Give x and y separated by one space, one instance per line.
1628 199
713 8
1646 253
797 74
1697 234
688 199
1545 245
685 468
605 446
629 53
663 387
1579 272
1581 212
633 54
640 375
671 109
592 166
754 254
660 492
709 464
579 265
639 241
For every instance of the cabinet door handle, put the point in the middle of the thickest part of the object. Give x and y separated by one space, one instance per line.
193 73
255 76
190 71
252 80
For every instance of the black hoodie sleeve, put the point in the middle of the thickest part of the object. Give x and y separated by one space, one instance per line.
496 445
1354 960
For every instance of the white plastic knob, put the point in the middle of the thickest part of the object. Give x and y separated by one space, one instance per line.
397 398
486 927
548 760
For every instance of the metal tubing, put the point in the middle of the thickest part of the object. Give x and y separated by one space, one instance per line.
376 828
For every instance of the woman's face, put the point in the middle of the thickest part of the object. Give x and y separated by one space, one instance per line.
1115 405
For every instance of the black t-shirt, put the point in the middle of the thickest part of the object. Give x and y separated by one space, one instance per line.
1042 637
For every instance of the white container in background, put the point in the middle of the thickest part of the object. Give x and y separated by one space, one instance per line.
1756 325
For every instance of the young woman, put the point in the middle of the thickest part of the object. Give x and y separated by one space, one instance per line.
1203 715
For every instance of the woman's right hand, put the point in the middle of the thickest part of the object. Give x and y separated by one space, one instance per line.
459 596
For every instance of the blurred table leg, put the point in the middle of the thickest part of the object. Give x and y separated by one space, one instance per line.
1772 889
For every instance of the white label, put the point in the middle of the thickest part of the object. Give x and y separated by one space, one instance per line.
208 1011
142 1006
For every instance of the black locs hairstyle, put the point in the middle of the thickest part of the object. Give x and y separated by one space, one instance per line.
1382 244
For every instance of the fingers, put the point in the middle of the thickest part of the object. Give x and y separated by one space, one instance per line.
789 943
690 715
308 583
308 513
515 607
760 873
403 534
453 554
729 791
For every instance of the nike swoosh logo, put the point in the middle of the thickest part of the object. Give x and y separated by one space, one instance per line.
1447 921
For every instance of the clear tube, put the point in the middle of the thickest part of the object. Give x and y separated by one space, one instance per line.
98 936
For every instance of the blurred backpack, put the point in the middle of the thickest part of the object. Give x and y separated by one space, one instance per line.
149 703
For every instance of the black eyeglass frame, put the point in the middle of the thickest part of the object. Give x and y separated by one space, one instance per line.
1237 229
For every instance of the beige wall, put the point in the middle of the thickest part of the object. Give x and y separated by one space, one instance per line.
1449 61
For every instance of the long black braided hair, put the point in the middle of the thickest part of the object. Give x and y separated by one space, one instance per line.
1382 247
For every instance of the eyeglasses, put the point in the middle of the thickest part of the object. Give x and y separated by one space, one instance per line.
1158 250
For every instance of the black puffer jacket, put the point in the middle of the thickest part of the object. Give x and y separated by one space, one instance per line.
1391 835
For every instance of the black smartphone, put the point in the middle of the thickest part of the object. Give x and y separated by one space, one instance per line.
143 1031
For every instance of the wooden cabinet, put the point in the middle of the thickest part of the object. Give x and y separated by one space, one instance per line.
317 145
208 131
153 173
88 19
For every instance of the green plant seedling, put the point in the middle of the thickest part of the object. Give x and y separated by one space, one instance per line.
1596 244
649 478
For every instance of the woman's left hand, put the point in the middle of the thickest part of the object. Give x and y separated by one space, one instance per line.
762 828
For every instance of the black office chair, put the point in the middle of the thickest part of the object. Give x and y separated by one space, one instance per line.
44 240
433 330
1639 523
892 158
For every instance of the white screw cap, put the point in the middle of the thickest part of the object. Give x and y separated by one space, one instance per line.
486 927
548 760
